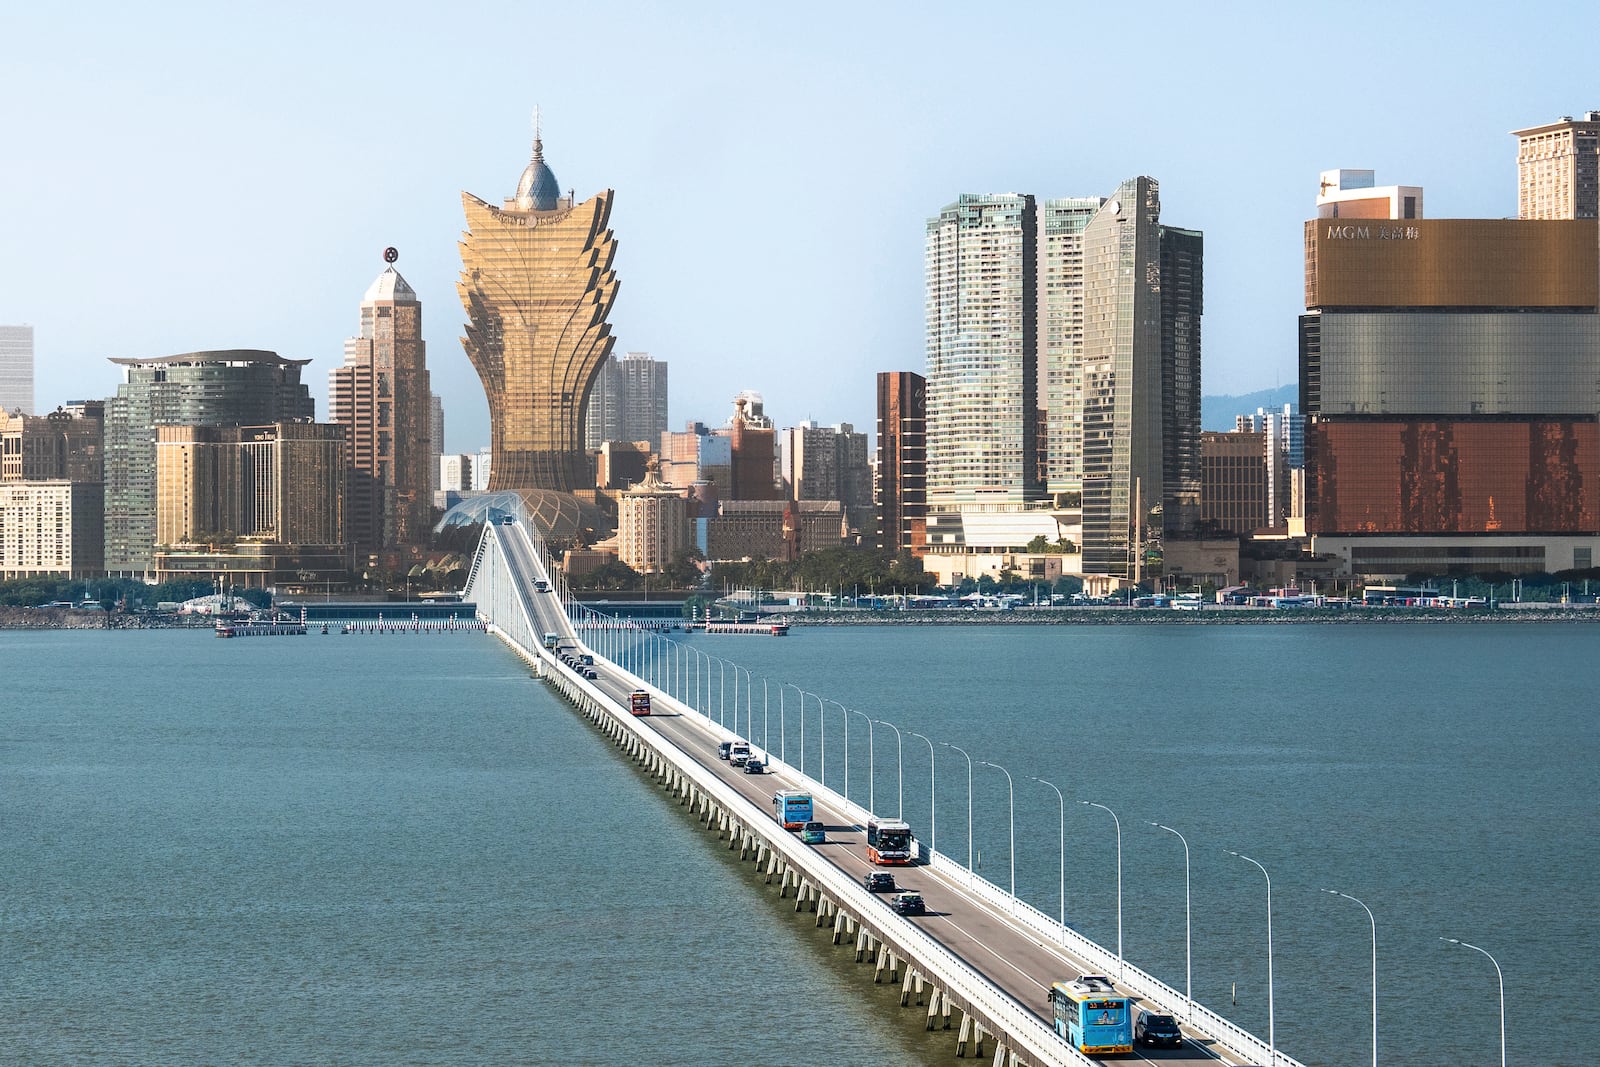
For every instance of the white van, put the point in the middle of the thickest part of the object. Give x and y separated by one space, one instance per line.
739 753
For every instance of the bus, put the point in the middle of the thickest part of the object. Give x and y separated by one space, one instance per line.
639 703
889 841
792 808
1093 1017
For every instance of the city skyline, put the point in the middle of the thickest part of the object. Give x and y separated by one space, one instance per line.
742 111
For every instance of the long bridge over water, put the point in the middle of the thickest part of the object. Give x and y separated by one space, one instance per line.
978 964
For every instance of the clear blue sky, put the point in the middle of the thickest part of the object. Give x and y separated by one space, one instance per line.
179 177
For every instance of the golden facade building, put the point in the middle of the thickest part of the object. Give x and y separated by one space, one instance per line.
381 397
537 285
260 505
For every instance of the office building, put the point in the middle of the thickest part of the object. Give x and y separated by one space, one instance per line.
1558 169
752 448
1143 289
982 349
381 397
628 401
652 524
16 370
236 387
900 492
772 529
1447 376
256 506
1235 495
537 285
435 436
65 444
52 492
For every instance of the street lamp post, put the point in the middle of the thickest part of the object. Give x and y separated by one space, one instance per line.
1499 974
1374 923
963 751
1118 823
933 823
822 730
1188 939
844 713
1062 800
872 772
1272 1033
766 719
802 692
900 764
1012 794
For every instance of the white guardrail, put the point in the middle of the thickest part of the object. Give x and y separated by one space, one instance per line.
938 963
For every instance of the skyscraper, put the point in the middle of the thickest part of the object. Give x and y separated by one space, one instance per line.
982 344
537 284
381 397
901 491
1061 226
1141 385
1558 169
239 387
16 369
628 401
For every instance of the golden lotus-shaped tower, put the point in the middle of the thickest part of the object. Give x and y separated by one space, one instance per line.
537 285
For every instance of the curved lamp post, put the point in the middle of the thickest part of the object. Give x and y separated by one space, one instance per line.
781 687
900 764
1499 974
963 751
1272 1034
1063 802
1011 792
1118 823
844 713
1374 923
1188 938
872 771
933 823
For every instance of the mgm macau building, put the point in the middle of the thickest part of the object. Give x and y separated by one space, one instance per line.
1450 378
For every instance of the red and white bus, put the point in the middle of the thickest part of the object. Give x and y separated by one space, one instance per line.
639 703
889 841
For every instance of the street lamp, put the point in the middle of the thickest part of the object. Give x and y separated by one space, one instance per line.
822 729
1062 800
1272 1034
766 720
1188 940
802 692
844 713
872 772
933 823
963 751
1118 823
1501 975
1012 793
900 764
1374 923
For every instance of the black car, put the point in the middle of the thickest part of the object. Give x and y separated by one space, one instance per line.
878 882
1153 1029
723 748
909 904
754 766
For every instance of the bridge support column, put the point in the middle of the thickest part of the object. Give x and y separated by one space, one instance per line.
861 943
802 895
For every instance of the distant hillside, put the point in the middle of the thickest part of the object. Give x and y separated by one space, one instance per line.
1217 412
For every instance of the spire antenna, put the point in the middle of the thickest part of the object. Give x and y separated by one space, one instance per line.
538 141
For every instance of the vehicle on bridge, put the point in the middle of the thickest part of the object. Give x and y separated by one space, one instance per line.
1093 1017
639 703
792 808
814 833
551 640
878 882
909 903
723 748
888 841
739 753
1153 1028
541 585
754 765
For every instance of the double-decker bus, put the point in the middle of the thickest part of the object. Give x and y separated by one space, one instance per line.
1093 1017
639 703
792 808
888 841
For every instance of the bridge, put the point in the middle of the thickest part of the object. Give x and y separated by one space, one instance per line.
979 963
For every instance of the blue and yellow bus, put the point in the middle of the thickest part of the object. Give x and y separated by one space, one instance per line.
1093 1017
792 808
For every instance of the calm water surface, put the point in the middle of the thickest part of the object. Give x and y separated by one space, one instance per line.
403 850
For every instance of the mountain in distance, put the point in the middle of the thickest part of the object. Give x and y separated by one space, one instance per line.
1217 412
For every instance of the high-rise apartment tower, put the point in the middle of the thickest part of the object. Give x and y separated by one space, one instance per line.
1558 169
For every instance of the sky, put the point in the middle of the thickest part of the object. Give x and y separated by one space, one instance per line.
179 177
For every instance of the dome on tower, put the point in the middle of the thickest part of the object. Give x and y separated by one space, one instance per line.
538 189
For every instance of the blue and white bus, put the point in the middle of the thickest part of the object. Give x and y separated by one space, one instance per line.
792 808
1093 1017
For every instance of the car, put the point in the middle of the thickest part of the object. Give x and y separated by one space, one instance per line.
1153 1028
590 673
723 748
878 882
753 765
814 833
909 903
